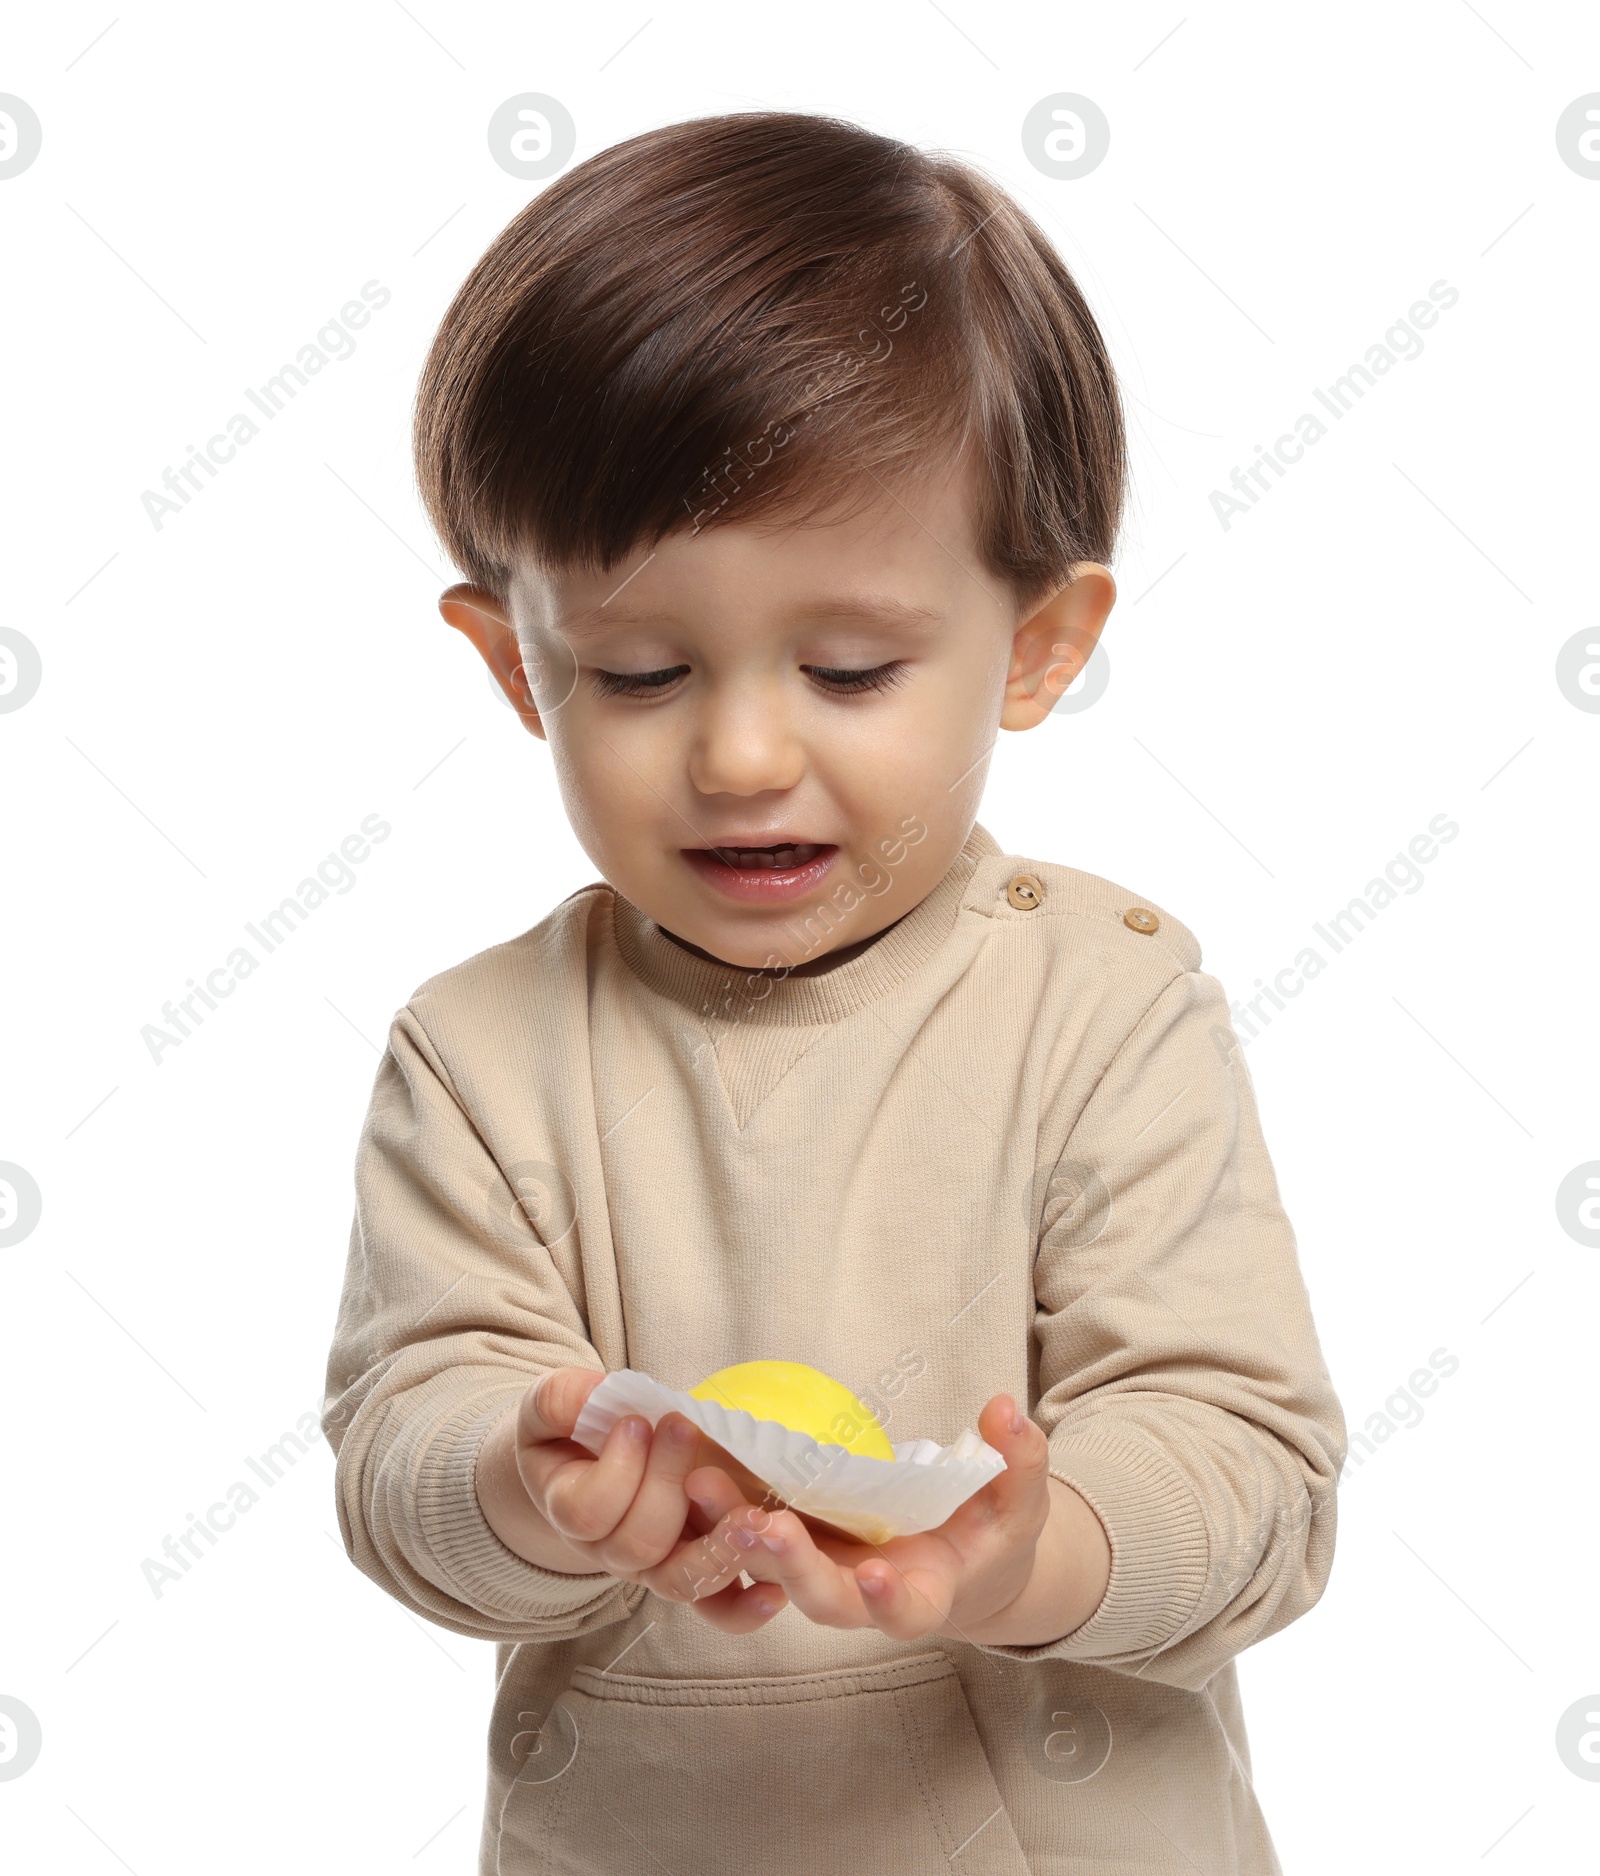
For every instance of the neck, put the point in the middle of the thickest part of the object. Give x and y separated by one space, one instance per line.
814 968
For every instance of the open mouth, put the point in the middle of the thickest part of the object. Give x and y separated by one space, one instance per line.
780 859
784 869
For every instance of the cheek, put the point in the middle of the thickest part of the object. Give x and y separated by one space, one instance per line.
936 723
940 766
922 753
598 791
947 735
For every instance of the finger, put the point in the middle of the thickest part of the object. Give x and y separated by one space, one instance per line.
816 1585
905 1604
653 1523
715 1493
755 1489
585 1499
1022 1491
705 1565
836 1544
549 1409
739 1611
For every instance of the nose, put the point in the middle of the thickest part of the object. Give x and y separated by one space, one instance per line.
744 740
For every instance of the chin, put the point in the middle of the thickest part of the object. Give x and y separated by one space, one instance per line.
741 949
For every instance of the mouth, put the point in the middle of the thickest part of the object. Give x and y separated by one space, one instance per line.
781 870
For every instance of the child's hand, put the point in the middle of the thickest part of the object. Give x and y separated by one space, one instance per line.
1021 1562
624 1512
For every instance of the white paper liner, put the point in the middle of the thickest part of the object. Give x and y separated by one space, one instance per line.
873 1499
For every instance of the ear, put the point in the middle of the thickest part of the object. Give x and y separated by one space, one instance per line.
478 615
1052 645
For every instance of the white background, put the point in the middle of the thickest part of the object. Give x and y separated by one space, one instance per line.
225 698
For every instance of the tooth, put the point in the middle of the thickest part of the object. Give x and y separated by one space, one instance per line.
781 857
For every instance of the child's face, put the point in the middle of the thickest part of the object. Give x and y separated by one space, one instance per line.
773 740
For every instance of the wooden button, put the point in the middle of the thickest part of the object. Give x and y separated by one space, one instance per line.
1137 918
1026 892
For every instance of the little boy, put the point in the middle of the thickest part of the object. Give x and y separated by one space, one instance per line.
783 462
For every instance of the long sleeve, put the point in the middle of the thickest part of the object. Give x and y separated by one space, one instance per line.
451 1306
1181 1383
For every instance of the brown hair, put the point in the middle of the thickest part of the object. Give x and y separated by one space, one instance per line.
755 314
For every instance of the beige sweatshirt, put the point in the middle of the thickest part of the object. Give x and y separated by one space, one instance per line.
1010 1146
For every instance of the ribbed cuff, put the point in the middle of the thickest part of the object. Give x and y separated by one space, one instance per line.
1160 1551
479 1568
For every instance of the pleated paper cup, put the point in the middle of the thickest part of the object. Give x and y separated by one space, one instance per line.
873 1499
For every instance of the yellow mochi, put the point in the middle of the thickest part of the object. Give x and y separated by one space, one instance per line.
803 1399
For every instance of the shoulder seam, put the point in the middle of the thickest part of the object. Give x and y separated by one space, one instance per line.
432 1054
1153 938
1098 919
1128 1034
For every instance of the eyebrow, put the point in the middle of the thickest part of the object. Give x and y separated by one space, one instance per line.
897 614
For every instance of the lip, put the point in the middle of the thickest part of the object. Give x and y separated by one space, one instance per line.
761 885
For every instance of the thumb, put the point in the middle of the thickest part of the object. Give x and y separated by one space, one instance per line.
550 1407
1021 1443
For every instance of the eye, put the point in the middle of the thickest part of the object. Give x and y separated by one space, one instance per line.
636 683
879 677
